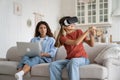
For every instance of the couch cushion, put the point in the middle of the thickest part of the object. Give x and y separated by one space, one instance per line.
40 70
97 71
8 67
94 51
61 53
91 51
90 71
110 51
12 54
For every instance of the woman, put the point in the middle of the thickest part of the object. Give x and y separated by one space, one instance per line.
72 39
44 36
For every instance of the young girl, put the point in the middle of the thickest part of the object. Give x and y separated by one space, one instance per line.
72 39
45 38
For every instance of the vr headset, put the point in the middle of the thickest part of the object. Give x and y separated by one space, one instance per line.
70 20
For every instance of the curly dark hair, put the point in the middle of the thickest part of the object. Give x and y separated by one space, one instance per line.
37 33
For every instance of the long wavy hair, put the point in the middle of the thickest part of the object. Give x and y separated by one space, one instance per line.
37 33
61 32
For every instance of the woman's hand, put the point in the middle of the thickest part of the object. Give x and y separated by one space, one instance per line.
44 54
41 54
92 30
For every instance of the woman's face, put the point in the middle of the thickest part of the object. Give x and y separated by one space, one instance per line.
43 29
70 27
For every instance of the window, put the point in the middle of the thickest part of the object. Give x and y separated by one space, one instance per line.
95 12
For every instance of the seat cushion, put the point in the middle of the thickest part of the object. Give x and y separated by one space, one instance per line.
90 71
8 67
87 71
40 70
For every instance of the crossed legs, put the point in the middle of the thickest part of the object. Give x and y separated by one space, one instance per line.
27 63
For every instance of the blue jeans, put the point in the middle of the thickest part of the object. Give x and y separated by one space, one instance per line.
31 61
71 65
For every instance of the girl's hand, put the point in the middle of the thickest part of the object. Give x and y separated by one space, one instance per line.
92 30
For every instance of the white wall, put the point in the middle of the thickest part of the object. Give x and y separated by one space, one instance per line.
68 8
13 28
115 29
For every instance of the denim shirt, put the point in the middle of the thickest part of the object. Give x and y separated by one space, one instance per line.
47 47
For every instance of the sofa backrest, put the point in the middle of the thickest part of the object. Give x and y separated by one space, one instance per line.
12 53
94 51
61 53
91 51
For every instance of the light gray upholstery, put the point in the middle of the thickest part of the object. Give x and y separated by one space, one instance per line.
93 71
90 71
12 54
8 67
40 70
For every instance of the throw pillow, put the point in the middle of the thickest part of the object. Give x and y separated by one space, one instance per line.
113 52
99 58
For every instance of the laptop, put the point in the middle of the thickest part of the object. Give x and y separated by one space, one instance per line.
28 48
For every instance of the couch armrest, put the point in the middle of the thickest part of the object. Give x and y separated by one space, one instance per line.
108 62
3 59
113 66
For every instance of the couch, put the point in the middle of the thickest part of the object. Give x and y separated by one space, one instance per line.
108 69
